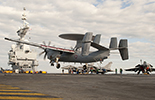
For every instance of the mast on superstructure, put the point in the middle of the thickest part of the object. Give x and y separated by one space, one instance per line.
23 30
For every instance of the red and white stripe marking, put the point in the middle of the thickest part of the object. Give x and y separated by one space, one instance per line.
59 49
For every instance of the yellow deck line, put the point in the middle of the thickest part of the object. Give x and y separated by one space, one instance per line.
5 85
17 90
9 88
14 96
37 94
26 98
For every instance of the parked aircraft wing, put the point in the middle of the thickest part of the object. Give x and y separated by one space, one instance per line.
131 69
153 69
42 46
68 67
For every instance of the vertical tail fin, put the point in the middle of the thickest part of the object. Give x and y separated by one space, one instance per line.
123 49
97 39
2 69
113 43
86 42
108 66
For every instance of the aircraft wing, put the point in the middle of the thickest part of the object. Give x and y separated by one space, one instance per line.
97 46
68 67
42 46
131 69
153 69
110 70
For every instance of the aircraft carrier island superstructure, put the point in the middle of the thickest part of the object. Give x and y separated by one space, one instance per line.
21 57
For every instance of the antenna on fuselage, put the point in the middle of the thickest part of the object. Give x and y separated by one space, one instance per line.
141 61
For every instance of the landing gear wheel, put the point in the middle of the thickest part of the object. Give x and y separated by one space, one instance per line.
58 66
52 64
138 73
84 67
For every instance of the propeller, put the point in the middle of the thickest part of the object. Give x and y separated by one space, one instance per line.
45 50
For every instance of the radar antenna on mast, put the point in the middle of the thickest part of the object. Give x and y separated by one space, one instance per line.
23 30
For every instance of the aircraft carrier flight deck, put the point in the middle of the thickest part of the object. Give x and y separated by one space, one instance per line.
77 87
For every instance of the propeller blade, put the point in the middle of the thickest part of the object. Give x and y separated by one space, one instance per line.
41 53
44 43
45 51
45 55
49 43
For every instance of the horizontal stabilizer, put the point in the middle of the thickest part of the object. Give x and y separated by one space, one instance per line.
99 47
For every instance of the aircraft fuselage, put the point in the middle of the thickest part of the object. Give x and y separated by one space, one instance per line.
77 57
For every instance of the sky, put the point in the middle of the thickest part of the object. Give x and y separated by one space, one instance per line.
125 19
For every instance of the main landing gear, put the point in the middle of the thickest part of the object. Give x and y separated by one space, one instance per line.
57 66
52 64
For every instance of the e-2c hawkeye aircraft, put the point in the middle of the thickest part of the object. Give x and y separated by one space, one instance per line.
81 52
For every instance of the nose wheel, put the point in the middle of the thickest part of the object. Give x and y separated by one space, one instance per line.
58 66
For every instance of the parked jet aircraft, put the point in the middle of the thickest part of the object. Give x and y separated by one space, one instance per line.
105 69
84 41
70 67
6 70
89 67
99 69
145 68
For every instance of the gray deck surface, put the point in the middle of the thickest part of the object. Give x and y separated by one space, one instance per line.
86 87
